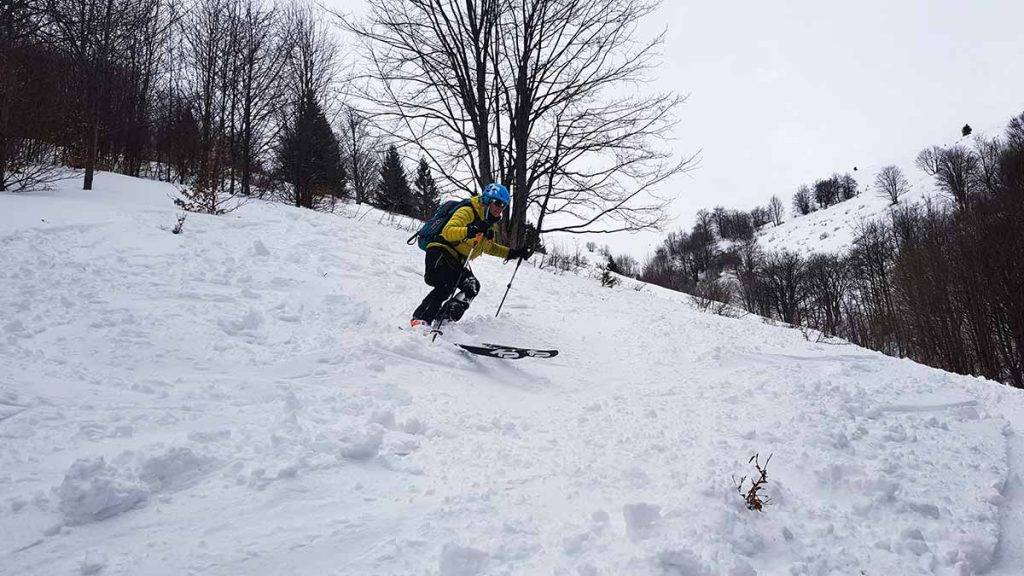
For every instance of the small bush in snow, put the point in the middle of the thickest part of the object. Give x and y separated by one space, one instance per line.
752 498
204 198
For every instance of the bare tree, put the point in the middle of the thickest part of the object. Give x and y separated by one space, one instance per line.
597 154
828 191
90 33
26 160
519 92
785 279
262 55
890 183
359 148
775 210
760 216
313 59
954 169
206 36
803 201
433 60
827 279
990 155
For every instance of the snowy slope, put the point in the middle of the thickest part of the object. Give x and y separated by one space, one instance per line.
833 229
239 400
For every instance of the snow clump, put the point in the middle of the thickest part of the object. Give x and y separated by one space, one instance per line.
93 490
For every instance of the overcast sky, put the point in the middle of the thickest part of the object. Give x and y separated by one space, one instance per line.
784 92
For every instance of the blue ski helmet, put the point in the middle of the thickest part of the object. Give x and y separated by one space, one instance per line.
494 191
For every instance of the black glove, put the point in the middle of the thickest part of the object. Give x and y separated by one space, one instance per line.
479 227
515 253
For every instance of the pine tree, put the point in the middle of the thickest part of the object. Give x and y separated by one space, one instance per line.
309 157
427 196
393 192
608 279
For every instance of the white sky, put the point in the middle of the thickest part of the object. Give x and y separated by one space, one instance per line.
784 92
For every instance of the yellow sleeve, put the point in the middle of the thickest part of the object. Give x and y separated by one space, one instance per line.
455 229
495 249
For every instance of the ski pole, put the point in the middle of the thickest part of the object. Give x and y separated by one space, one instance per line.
532 242
509 287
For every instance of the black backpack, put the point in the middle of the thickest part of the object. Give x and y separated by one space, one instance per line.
431 229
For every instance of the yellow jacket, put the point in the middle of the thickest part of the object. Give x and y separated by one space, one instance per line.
454 233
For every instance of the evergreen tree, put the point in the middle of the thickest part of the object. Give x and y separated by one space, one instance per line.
309 158
427 196
393 192
610 267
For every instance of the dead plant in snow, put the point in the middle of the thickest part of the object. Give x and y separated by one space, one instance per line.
752 498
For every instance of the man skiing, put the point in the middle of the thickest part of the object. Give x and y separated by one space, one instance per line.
466 235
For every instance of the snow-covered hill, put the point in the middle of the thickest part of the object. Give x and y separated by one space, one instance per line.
833 229
239 399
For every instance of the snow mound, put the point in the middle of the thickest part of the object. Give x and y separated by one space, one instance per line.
93 490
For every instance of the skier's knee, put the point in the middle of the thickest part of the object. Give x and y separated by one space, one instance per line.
470 286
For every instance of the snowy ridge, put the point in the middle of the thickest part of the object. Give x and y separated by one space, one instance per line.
833 229
238 399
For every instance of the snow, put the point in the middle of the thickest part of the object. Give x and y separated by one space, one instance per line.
92 491
238 399
833 229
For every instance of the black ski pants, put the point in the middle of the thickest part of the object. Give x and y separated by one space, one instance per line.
442 271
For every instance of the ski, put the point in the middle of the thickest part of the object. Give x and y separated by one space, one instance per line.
494 350
507 352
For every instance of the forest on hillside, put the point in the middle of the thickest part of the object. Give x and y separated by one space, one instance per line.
941 282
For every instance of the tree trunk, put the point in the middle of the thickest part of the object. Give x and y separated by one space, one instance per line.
90 154
247 165
247 137
4 113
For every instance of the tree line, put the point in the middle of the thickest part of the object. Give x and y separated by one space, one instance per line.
245 97
227 97
939 282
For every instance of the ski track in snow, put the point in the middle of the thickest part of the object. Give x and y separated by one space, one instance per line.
238 400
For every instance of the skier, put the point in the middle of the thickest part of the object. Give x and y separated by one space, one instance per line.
466 235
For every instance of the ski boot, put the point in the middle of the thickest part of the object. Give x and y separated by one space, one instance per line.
457 306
